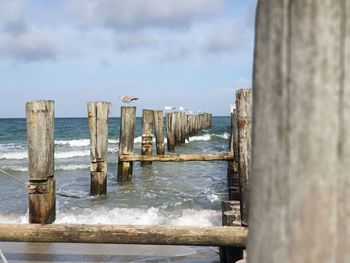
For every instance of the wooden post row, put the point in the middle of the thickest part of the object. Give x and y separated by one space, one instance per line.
98 124
126 142
40 137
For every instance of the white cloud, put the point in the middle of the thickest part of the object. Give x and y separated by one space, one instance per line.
29 46
12 18
140 14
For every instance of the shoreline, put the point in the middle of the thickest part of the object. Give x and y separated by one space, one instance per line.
77 252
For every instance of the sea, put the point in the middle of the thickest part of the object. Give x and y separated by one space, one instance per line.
165 193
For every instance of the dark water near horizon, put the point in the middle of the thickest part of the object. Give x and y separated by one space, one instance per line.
188 193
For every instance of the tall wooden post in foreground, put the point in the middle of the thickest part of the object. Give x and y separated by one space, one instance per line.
147 134
126 141
98 124
158 130
300 198
40 138
244 103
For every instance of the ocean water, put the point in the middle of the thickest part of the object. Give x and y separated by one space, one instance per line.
188 193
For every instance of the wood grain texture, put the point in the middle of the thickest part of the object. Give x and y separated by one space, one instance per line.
159 131
126 142
40 139
147 135
125 234
170 125
244 104
300 200
179 157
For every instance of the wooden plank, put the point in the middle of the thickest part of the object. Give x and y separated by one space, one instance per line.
125 234
179 157
244 102
159 133
300 202
126 142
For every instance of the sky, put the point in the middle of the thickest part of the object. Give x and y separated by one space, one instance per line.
192 53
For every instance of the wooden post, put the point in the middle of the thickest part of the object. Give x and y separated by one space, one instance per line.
183 119
40 137
244 122
159 133
147 134
126 142
233 180
178 129
170 123
98 124
230 217
300 201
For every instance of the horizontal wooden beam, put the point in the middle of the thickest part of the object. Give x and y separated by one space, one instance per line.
178 157
125 234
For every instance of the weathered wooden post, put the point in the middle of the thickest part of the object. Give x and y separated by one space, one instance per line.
300 199
183 124
230 217
147 135
159 133
244 102
231 214
170 123
178 129
40 138
126 142
233 181
98 124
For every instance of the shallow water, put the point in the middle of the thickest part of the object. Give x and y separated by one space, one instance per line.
187 193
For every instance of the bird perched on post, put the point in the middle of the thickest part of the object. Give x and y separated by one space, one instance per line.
127 99
169 108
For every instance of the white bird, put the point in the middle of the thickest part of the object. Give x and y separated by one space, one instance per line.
181 108
127 99
190 112
169 108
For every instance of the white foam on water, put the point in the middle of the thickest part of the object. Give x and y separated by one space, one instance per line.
205 137
213 198
14 155
71 154
14 218
72 167
191 217
15 168
225 135
138 216
74 143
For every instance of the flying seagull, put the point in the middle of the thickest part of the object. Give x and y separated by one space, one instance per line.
182 108
169 108
127 99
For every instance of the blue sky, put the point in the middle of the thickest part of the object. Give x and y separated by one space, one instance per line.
192 53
